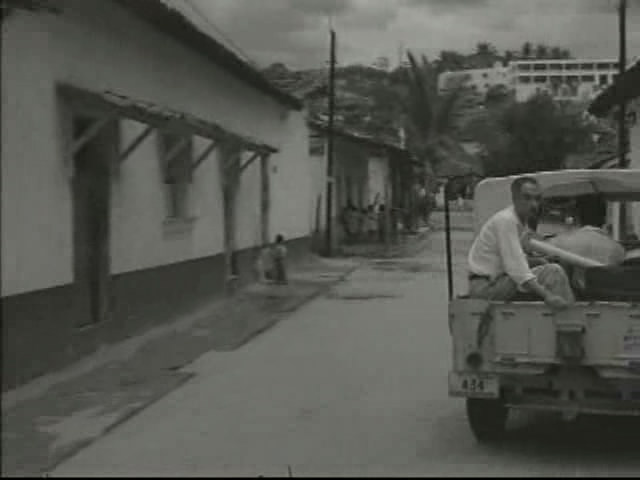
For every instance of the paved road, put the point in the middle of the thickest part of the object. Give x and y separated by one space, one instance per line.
353 384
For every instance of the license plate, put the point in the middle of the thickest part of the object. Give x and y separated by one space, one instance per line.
473 385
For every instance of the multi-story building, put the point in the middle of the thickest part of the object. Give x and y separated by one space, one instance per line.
572 80
578 80
382 63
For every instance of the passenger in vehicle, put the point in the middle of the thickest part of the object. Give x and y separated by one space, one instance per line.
591 240
498 267
533 258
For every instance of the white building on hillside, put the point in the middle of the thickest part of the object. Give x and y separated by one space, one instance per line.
573 80
579 80
382 63
479 79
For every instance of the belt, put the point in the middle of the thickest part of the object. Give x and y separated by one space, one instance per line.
473 276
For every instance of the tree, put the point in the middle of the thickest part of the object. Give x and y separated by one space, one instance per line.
497 95
508 57
536 135
527 50
449 61
542 51
485 48
556 53
431 118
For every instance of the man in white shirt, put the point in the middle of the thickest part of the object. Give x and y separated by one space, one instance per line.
591 240
498 266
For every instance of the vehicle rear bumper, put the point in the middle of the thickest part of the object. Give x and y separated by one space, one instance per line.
572 391
618 408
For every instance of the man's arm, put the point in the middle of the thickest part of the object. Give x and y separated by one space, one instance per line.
517 267
512 254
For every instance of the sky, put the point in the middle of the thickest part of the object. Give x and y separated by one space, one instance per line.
295 32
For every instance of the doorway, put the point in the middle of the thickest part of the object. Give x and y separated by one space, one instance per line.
91 219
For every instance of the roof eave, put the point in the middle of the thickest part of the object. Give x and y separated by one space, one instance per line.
357 138
626 87
175 25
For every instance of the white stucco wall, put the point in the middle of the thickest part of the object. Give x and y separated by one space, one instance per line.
318 191
98 46
291 177
378 173
138 235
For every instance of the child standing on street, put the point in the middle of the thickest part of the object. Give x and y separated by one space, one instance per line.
279 260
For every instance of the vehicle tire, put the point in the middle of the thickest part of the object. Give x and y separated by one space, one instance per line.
487 419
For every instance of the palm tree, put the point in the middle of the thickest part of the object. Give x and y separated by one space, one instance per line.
527 50
542 51
508 57
449 61
484 48
556 53
431 120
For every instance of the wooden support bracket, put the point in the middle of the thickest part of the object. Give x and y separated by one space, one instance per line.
175 150
250 161
91 132
203 156
135 144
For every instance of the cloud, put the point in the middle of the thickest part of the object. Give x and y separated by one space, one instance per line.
445 5
296 31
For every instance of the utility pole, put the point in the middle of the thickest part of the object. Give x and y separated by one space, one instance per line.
330 145
622 108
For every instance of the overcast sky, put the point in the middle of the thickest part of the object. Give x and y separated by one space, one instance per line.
295 31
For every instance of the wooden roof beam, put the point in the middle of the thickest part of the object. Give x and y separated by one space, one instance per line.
158 116
204 155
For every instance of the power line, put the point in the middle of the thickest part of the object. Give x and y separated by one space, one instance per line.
212 25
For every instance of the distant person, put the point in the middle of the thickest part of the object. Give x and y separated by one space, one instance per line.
498 267
535 259
264 265
362 224
349 222
371 222
382 227
279 256
354 221
591 240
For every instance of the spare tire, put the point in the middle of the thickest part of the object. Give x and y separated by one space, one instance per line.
618 283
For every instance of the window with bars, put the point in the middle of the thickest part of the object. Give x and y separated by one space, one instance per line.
316 144
177 173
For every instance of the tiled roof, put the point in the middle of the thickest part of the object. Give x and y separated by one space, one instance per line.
361 137
301 83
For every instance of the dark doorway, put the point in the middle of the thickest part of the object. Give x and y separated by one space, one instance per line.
91 221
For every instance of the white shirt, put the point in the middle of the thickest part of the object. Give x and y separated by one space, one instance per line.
497 249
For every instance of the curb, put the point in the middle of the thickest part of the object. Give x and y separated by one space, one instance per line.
290 309
82 444
70 451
